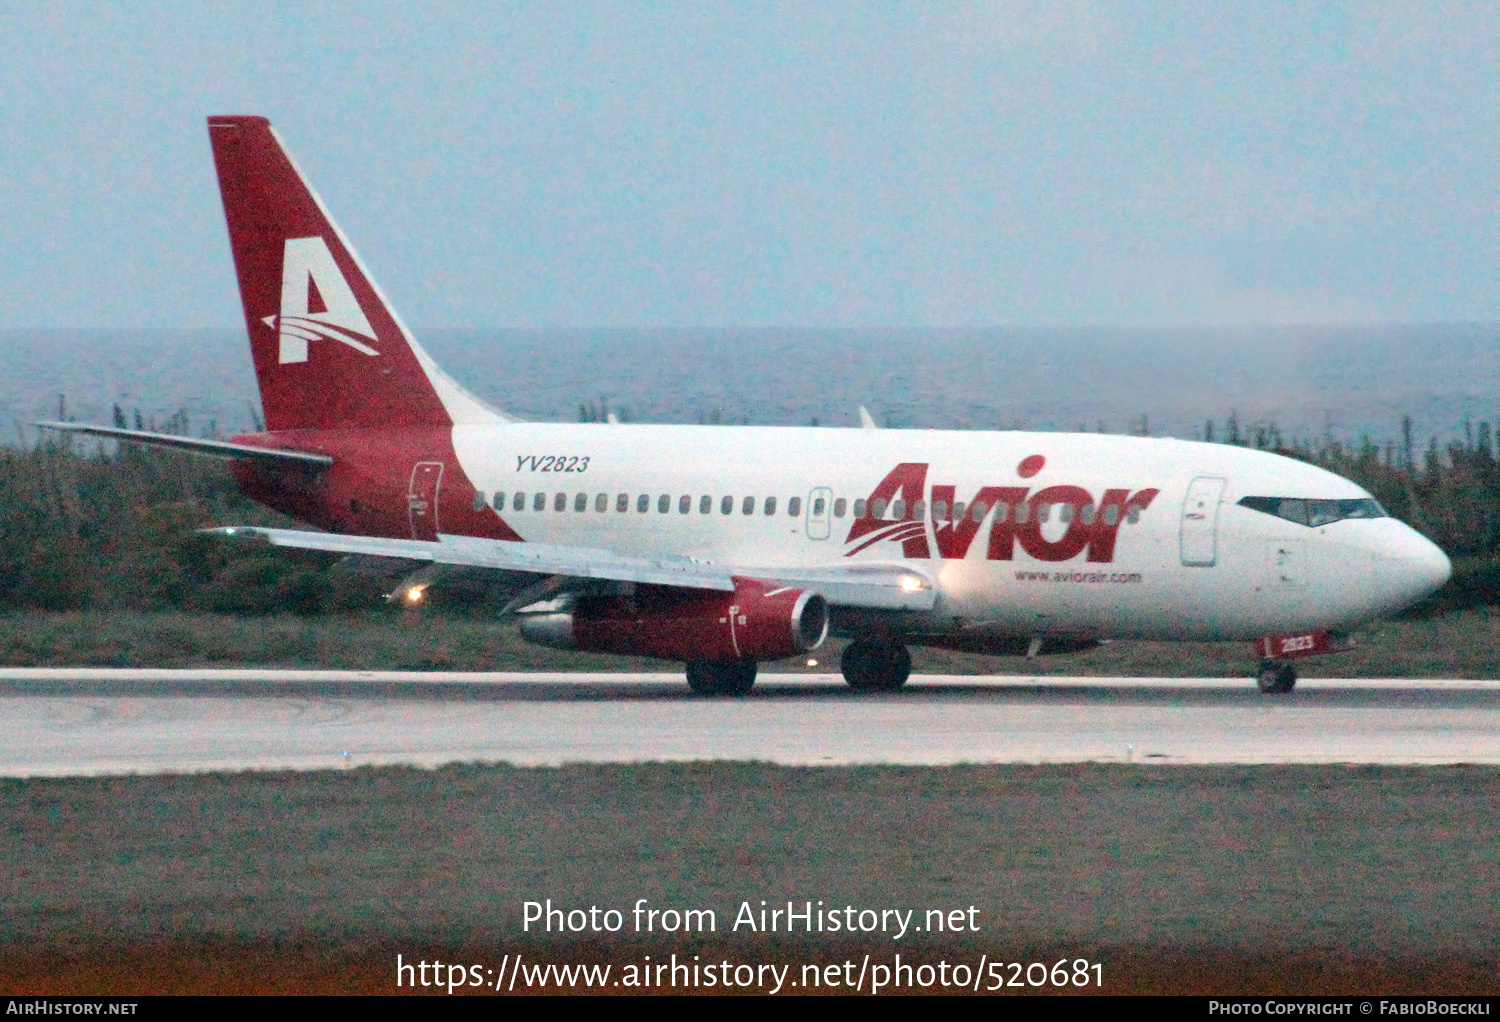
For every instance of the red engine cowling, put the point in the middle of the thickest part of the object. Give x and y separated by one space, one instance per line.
758 621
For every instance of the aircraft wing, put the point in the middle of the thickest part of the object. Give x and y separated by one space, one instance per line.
883 586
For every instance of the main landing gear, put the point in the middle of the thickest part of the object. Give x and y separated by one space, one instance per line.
875 666
721 678
1276 677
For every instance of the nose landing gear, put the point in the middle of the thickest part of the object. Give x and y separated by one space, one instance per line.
1276 677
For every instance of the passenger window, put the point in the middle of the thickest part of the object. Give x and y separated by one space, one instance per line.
1043 512
539 502
663 503
642 504
898 509
726 506
560 502
1112 515
819 506
622 502
859 507
1088 514
1023 513
958 510
684 504
581 502
1065 512
601 502
877 507
794 506
748 507
939 510
518 502
479 501
978 510
770 505
705 505
1133 516
918 508
839 506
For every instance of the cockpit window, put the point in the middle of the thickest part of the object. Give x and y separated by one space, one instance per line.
1310 512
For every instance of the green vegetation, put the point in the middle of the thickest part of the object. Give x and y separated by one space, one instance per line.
104 537
115 530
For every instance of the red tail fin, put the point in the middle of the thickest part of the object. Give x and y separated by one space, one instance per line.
330 352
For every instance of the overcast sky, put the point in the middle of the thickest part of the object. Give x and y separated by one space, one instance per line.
807 164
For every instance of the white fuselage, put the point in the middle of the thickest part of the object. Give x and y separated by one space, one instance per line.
1191 564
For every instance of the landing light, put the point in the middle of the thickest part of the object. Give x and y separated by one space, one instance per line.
812 663
414 594
911 584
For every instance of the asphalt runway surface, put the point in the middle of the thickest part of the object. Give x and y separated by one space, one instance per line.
84 721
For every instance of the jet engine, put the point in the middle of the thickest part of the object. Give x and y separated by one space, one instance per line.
758 621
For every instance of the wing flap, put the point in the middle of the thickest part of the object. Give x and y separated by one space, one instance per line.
877 586
540 558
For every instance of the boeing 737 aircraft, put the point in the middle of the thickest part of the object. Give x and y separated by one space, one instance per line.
724 546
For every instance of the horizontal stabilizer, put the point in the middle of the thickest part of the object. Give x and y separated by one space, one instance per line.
212 448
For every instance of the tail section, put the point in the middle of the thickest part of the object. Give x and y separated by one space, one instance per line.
330 352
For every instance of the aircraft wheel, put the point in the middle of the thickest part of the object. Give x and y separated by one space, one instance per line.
1275 677
726 678
875 666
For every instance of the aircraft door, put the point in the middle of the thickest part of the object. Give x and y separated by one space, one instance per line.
1200 522
422 500
819 508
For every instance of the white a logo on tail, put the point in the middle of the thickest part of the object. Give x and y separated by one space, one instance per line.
316 303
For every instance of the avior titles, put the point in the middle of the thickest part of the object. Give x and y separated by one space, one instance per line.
899 510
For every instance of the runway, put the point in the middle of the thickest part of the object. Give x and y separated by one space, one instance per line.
57 722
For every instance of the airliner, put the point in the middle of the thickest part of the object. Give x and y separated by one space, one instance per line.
722 547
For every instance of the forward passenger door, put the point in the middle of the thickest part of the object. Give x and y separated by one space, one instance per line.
1198 538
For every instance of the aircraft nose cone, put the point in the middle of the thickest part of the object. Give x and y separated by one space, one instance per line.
1415 564
1436 569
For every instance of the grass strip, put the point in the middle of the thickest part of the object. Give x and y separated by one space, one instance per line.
1373 872
1464 644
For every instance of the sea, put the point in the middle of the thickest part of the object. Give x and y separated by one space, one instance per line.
1312 383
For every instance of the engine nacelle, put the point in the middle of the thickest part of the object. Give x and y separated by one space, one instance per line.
758 621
